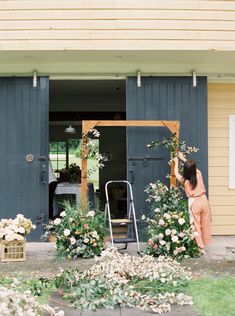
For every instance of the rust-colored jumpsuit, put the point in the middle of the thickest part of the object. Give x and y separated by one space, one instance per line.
200 211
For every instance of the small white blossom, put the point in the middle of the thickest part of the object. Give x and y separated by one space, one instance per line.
63 214
181 221
167 232
174 238
57 221
66 232
72 241
161 222
91 214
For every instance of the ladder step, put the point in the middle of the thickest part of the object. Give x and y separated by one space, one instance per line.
121 222
124 240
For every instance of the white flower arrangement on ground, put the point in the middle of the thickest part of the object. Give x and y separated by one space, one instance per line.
121 280
79 233
15 229
23 304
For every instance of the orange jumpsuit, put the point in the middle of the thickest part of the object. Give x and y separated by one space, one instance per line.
200 210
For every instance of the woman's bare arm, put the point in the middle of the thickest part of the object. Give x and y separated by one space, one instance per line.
176 170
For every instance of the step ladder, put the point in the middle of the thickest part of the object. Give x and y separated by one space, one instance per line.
129 222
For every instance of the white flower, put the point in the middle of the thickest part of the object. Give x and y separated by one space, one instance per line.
173 231
66 232
174 238
181 221
21 230
162 242
167 216
91 214
63 214
161 235
19 216
161 222
72 241
167 232
86 240
33 226
57 221
157 210
181 234
195 234
143 217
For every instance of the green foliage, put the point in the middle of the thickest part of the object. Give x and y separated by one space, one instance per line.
213 296
92 150
173 145
169 228
79 233
38 287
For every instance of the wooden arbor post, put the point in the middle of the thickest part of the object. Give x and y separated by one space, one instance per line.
173 126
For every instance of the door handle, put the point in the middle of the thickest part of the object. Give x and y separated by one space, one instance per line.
42 158
43 177
132 177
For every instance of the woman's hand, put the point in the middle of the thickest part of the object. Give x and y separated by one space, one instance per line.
181 156
176 159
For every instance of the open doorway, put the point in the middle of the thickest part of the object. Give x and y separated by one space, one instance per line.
72 101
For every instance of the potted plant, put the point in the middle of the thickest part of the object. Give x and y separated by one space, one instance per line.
72 173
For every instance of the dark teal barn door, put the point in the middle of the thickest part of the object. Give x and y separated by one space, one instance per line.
24 150
163 98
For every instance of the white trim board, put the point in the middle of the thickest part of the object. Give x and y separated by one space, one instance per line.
231 151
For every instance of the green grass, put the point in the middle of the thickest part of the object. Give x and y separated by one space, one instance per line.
213 296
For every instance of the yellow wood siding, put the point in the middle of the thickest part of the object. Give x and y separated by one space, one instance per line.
117 25
221 103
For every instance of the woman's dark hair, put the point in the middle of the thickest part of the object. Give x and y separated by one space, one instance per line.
190 173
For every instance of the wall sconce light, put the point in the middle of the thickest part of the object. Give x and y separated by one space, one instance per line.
70 130
138 79
194 74
35 79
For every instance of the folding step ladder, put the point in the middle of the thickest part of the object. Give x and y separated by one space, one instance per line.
129 222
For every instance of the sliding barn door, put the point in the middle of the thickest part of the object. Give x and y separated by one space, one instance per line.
163 98
24 150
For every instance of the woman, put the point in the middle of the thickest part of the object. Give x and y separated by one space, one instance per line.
198 204
52 186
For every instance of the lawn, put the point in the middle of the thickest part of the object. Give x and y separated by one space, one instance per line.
213 296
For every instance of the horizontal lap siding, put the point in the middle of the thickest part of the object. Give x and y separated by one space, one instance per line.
221 103
120 24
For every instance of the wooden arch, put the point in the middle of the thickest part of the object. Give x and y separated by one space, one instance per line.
173 126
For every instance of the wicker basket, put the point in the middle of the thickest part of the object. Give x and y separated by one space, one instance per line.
14 250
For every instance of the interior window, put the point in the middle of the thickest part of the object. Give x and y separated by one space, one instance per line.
63 154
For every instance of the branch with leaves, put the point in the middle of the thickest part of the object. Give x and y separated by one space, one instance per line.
173 146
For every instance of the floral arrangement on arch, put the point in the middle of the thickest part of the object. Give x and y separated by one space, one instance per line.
170 229
173 145
15 229
79 233
92 149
